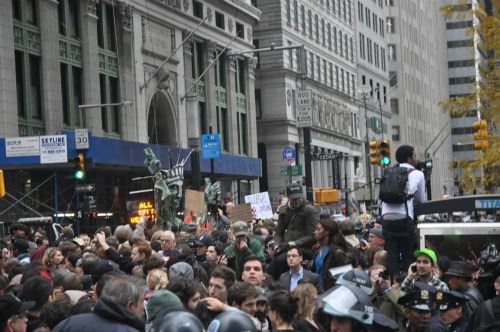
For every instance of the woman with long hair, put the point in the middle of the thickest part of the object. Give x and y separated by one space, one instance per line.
282 310
331 251
51 259
306 293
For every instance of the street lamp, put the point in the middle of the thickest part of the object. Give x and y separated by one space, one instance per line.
364 90
82 107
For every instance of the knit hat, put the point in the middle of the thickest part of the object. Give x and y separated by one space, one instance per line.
181 269
377 231
160 300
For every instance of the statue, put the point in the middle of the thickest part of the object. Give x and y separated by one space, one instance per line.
167 189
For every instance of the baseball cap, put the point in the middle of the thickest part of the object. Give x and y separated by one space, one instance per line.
11 305
240 228
204 240
294 190
427 252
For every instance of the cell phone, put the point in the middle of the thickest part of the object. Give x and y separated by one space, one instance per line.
414 269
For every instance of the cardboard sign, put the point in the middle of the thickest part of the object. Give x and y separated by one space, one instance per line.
241 212
194 201
261 205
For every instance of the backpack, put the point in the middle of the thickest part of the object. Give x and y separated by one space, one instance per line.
393 185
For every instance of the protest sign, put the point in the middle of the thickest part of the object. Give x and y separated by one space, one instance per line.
241 212
261 205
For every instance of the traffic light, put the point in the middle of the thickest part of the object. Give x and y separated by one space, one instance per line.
80 166
385 152
2 185
374 152
480 134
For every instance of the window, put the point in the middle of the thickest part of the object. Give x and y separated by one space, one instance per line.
337 78
295 14
68 19
381 23
108 68
258 104
385 94
329 29
459 25
335 39
197 9
349 11
382 57
391 25
241 112
342 82
309 19
240 30
393 79
197 67
368 18
303 14
288 13
389 3
220 21
360 12
351 47
375 20
460 63
221 100
459 43
323 34
391 51
316 25
361 46
341 48
395 133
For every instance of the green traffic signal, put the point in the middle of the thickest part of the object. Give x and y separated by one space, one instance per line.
79 175
385 153
384 161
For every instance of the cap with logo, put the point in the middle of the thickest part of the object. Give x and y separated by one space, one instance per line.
240 228
417 299
294 190
204 240
446 300
427 252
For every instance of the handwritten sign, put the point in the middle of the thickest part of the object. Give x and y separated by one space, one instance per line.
242 212
194 201
261 205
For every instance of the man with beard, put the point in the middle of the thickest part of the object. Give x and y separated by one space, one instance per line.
422 270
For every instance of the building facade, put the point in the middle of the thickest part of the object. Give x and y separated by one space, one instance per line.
327 31
159 68
418 80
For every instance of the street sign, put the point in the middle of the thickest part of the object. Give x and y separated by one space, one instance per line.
82 139
296 170
210 146
289 155
326 156
303 108
87 187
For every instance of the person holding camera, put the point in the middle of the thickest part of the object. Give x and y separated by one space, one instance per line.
296 225
242 247
384 297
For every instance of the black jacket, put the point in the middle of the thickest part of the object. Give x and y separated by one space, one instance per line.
107 316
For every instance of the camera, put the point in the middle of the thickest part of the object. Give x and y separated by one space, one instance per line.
230 259
384 275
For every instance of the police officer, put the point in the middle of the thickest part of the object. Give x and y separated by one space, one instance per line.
451 306
417 309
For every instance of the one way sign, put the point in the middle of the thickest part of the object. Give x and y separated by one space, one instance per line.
85 187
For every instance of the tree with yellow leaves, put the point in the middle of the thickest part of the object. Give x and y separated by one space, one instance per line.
484 171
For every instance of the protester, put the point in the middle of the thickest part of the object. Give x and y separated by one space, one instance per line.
422 270
282 310
304 320
290 279
242 247
330 253
296 224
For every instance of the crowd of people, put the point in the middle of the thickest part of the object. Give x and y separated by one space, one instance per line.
301 272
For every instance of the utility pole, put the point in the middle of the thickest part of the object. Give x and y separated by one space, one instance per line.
364 90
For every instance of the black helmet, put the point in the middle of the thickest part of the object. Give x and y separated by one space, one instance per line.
177 320
357 278
350 302
232 321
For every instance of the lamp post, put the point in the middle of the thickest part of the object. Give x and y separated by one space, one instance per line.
82 107
364 90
